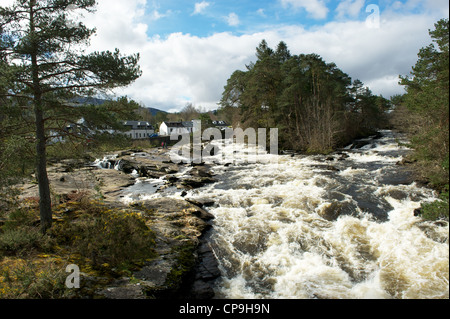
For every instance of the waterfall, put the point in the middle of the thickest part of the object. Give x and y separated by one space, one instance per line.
314 226
108 162
339 226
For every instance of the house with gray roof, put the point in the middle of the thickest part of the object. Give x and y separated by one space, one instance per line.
180 128
138 130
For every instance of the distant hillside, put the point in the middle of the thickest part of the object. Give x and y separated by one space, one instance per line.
154 111
96 101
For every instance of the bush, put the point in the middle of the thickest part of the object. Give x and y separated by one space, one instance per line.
438 209
100 236
19 241
99 239
21 236
32 280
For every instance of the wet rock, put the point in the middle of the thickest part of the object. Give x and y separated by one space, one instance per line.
332 168
406 161
397 194
197 182
201 202
171 179
360 144
203 214
343 156
143 172
200 172
127 167
332 211
402 176
417 212
125 153
206 272
127 291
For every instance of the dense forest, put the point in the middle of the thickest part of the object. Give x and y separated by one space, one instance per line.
423 112
315 105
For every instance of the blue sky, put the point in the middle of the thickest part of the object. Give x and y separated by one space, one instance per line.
204 18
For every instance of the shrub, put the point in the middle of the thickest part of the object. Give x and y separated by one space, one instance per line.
20 234
32 280
99 236
438 209
17 241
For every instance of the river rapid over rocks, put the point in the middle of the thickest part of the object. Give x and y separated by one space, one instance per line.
322 226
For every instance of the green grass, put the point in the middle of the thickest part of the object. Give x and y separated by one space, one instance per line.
438 209
104 242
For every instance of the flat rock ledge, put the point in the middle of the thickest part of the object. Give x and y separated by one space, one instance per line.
185 266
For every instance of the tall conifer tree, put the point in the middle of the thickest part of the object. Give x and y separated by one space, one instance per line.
44 48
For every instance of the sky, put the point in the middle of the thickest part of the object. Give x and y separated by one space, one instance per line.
188 49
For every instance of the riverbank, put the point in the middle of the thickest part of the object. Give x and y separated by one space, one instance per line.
182 265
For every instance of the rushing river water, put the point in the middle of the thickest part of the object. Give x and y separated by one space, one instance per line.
336 226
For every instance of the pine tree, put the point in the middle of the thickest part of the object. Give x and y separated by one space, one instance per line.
310 101
44 49
427 95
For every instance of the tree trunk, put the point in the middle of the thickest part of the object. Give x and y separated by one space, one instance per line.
45 202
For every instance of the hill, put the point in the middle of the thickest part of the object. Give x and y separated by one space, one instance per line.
97 101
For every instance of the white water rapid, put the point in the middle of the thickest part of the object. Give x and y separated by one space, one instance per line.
338 226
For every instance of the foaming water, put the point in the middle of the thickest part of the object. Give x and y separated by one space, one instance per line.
300 229
336 226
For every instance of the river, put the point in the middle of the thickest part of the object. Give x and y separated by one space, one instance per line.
334 226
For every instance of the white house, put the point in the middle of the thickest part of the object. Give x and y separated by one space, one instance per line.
169 128
138 130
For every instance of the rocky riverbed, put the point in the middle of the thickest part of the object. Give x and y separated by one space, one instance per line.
185 266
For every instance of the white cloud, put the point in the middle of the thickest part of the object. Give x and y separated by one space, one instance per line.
183 67
119 24
316 8
7 3
233 19
187 66
261 12
156 15
200 7
430 7
349 8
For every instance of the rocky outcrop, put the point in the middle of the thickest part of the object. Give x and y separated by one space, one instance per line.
185 266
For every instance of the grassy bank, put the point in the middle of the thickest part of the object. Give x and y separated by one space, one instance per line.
105 243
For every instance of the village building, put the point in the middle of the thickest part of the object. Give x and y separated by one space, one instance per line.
138 130
180 128
220 124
